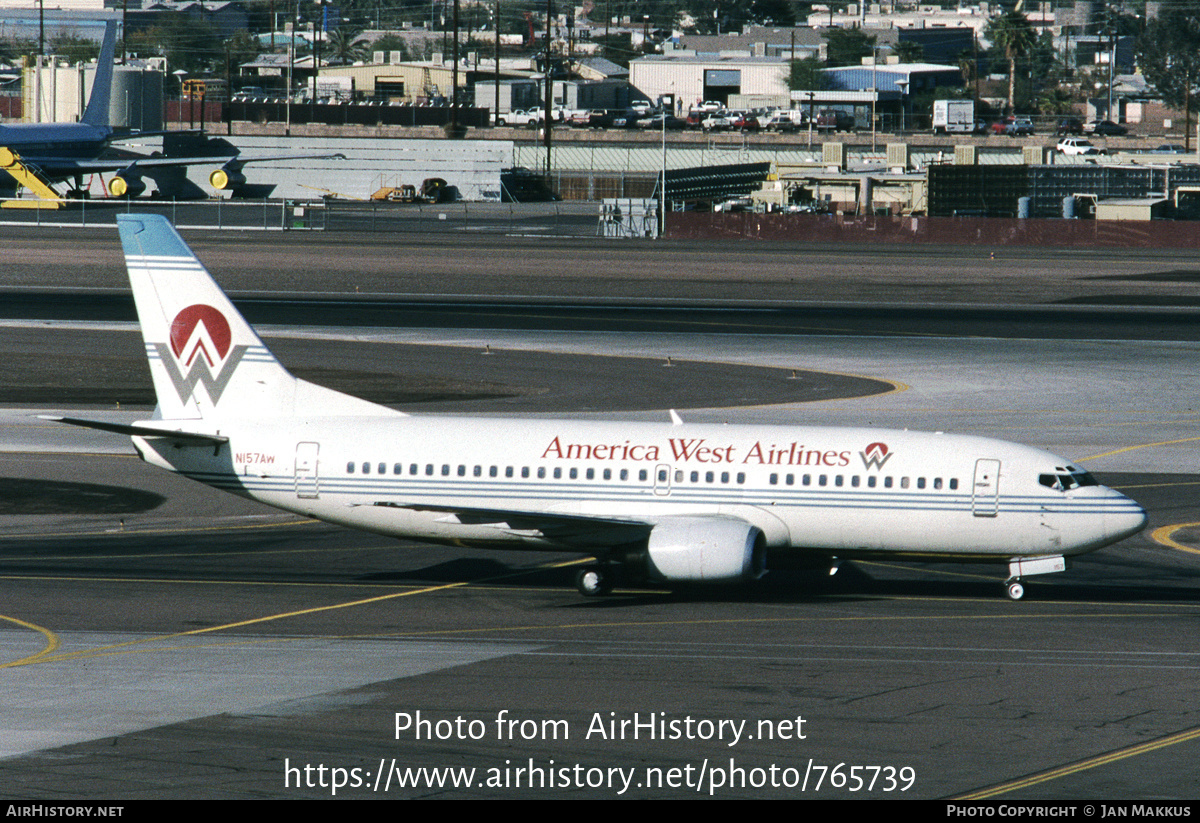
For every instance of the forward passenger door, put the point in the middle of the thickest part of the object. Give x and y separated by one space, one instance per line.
985 492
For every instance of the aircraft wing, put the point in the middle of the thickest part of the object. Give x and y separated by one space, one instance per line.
585 531
59 167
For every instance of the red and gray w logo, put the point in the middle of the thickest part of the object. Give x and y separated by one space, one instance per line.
200 351
875 455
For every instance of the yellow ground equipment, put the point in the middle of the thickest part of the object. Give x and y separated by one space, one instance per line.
48 198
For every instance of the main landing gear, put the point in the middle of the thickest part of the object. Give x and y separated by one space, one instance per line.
595 581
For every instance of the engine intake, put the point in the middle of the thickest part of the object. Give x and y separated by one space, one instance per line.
227 177
126 184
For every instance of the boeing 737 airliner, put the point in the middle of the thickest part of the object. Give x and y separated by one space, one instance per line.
671 502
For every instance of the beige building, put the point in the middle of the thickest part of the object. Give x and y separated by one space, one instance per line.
694 79
398 82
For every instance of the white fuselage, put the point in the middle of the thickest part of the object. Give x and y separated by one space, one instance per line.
836 491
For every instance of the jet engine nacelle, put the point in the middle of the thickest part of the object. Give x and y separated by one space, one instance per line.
227 177
705 550
126 184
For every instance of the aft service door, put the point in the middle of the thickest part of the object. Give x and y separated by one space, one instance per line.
985 494
307 481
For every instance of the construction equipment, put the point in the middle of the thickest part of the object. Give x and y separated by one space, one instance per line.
406 193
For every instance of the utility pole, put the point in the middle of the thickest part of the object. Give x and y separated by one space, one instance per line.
496 104
454 80
548 123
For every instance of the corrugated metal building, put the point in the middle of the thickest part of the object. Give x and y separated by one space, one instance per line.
695 79
907 78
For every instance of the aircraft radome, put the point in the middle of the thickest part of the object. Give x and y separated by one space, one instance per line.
670 502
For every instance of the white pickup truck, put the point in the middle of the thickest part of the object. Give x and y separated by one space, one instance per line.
522 117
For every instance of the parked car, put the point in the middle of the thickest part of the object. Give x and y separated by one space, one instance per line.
599 119
655 122
628 119
1013 126
1105 128
784 120
1018 127
1069 125
1076 146
755 120
718 121
835 119
1170 148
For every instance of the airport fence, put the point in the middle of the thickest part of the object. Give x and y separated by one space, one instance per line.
254 215
551 219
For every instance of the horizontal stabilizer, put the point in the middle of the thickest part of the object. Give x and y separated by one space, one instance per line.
140 430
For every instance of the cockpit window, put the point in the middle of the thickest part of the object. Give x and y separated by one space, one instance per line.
1050 481
1065 481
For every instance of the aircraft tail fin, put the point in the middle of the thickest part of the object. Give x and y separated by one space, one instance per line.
205 359
96 113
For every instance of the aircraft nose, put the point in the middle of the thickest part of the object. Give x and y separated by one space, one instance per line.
1125 519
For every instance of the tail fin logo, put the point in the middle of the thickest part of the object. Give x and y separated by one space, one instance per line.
200 352
875 455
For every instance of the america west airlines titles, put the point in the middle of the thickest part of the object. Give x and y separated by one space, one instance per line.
699 450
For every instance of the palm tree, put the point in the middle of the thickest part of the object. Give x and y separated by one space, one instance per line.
1012 33
342 48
